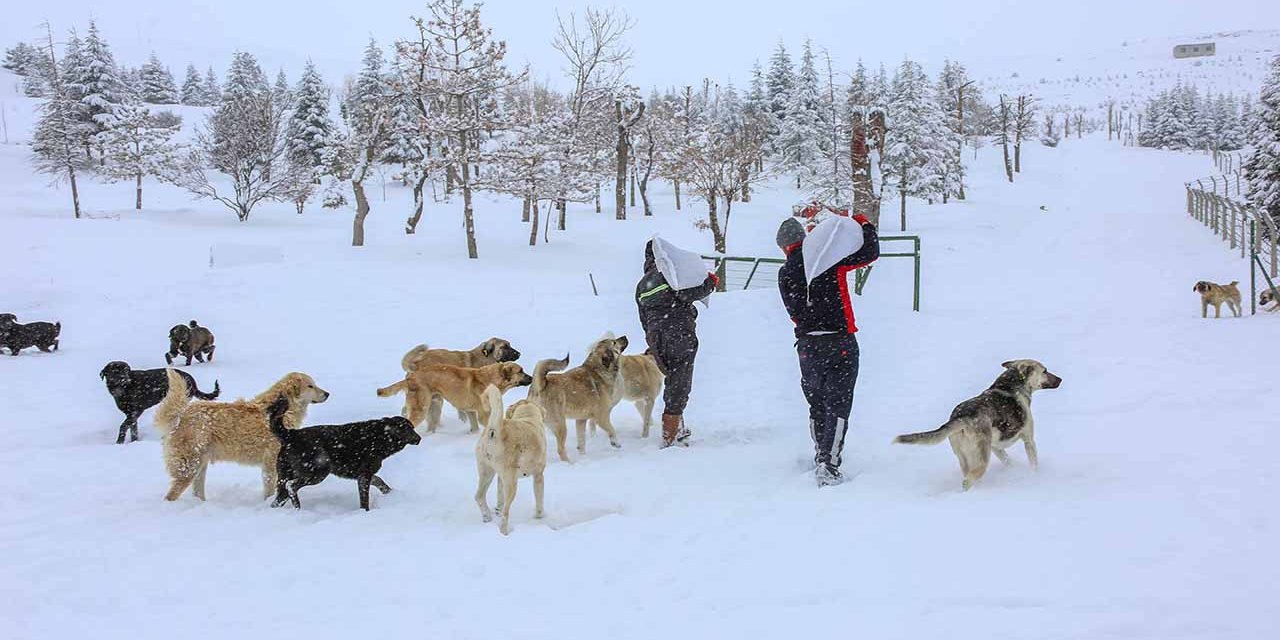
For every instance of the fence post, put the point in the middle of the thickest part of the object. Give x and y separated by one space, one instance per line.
915 304
1253 269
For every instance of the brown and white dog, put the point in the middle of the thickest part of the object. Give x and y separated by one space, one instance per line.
992 421
463 387
198 433
586 392
1216 294
1268 296
513 446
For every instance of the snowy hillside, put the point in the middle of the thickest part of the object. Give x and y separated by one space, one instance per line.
1147 519
1131 72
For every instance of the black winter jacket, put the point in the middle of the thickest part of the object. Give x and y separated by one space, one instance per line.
660 305
826 304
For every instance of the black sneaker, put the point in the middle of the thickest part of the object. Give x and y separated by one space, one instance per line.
828 475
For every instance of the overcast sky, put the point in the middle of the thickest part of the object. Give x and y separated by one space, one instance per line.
674 41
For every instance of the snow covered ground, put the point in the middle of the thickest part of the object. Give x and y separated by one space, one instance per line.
1152 515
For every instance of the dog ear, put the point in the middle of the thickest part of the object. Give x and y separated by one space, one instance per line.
486 349
622 343
1009 364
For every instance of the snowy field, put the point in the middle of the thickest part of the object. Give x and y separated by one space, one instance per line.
1152 515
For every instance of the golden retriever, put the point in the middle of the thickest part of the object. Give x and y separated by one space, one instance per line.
197 433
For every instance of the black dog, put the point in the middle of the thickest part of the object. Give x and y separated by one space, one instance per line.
190 340
16 337
136 390
354 450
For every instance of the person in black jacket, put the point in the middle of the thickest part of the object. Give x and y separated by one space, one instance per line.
824 326
670 328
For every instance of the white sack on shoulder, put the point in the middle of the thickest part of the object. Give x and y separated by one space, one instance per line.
833 240
682 269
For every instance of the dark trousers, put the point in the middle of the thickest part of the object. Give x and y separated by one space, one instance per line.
674 349
828 372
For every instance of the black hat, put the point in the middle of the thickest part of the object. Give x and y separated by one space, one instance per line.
790 232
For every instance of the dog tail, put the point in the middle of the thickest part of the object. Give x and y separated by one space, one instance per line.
541 370
399 387
212 395
174 402
408 361
494 399
275 417
930 437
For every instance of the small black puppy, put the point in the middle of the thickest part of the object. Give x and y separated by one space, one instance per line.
136 390
190 340
354 450
16 337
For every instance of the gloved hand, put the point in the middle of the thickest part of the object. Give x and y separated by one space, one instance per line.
715 280
861 219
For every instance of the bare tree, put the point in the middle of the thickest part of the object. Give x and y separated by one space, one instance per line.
628 109
1024 124
1002 136
596 61
243 140
465 74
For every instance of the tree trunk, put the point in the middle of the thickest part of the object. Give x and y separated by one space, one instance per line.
902 191
468 214
138 190
717 235
743 175
597 196
644 187
960 144
362 211
676 184
531 213
411 225
450 177
524 210
75 192
561 207
1017 155
1008 167
633 185
620 173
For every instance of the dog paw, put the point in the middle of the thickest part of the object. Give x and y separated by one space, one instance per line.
505 529
615 444
538 515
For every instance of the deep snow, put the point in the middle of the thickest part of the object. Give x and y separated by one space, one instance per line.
1152 515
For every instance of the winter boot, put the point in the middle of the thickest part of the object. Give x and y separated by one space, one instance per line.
673 431
828 475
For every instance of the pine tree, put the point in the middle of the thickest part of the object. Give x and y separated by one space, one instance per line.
96 83
366 110
192 88
780 81
953 83
915 155
880 92
1262 169
61 138
22 59
157 86
244 78
211 90
281 92
801 138
310 128
137 146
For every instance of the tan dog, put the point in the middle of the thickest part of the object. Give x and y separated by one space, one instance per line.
1216 294
512 447
992 421
641 384
1268 296
463 387
491 351
197 433
586 392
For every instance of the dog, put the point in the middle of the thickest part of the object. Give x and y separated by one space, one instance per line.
136 390
992 421
491 351
641 384
197 433
1216 294
586 392
190 340
463 387
355 451
15 336
513 446
1268 296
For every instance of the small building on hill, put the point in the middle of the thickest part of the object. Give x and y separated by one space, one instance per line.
1196 50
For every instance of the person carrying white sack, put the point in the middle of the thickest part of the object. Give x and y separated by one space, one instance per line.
673 280
814 283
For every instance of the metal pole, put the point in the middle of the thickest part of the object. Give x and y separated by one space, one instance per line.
1253 272
915 304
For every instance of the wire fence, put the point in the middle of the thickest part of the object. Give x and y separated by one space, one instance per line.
1218 203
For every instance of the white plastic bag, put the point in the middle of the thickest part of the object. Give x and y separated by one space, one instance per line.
683 269
833 240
